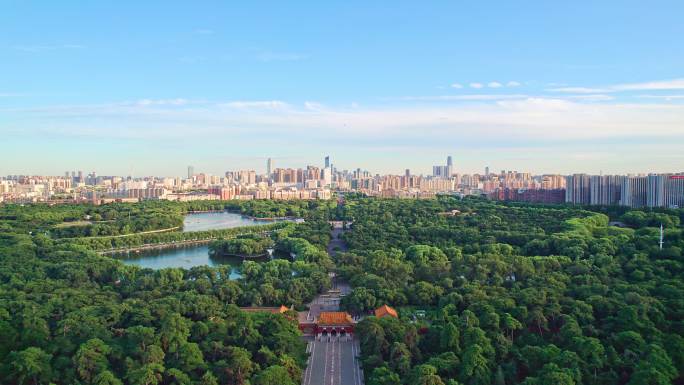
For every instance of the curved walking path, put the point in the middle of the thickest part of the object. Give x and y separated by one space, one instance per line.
172 244
129 235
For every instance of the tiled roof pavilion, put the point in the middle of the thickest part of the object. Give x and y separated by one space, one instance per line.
385 310
334 318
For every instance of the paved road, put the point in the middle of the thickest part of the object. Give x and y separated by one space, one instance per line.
336 242
333 363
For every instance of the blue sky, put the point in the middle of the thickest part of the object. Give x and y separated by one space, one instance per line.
150 87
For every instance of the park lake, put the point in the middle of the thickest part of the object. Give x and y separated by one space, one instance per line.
194 255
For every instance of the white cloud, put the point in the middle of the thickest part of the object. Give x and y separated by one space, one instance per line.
457 85
258 104
162 102
437 98
663 97
580 90
513 83
314 106
672 84
476 85
519 116
591 97
494 85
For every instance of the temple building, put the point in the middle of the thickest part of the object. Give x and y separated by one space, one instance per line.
385 311
327 324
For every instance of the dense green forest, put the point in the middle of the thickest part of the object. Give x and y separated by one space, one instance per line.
86 220
515 293
70 316
243 245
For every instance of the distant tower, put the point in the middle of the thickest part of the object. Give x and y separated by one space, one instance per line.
449 168
327 162
486 170
269 167
191 172
661 236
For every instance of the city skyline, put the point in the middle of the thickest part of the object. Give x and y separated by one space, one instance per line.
261 166
225 86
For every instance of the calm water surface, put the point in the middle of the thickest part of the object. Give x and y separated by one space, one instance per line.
218 220
187 257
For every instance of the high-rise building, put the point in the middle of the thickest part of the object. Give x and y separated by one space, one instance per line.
327 176
444 171
674 191
269 167
655 196
487 171
247 177
191 172
577 189
605 189
439 171
634 191
327 161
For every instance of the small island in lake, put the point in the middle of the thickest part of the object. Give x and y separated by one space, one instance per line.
247 246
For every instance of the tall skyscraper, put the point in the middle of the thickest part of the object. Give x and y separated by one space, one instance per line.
444 171
327 161
191 172
269 167
487 171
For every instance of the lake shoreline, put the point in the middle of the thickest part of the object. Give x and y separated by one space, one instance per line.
265 219
194 250
158 246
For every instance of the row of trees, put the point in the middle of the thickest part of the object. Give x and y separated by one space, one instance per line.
87 220
243 245
515 294
135 240
264 208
